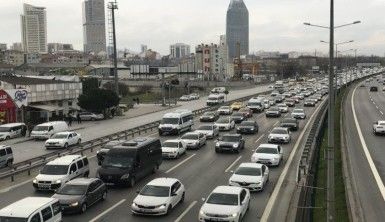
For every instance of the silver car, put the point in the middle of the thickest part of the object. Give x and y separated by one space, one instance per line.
194 140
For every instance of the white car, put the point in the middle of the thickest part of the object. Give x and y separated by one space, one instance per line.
266 103
272 102
283 108
63 140
194 96
194 140
158 197
225 124
225 110
185 98
211 131
279 135
225 203
252 176
173 148
269 154
298 114
379 127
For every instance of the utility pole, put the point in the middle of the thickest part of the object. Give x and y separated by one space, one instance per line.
114 6
330 210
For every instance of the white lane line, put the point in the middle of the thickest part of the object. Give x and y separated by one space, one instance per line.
235 161
186 211
381 112
277 188
372 166
176 166
260 138
276 123
107 211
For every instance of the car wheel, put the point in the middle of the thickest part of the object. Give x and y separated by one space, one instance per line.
154 169
132 182
169 210
9 163
182 199
66 145
217 151
177 156
86 174
79 141
93 119
104 195
7 138
83 208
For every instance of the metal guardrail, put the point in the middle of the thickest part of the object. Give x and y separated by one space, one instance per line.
30 164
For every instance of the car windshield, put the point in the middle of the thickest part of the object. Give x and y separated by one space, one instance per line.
170 120
40 128
156 191
278 131
298 111
230 138
247 123
281 105
223 199
254 104
59 136
225 107
205 128
170 144
244 110
248 171
209 114
54 170
13 219
289 121
118 161
213 97
73 190
224 120
267 150
237 114
274 109
5 129
190 137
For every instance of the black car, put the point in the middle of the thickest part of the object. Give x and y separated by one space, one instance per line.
238 117
230 142
290 102
290 123
279 98
273 112
105 148
373 89
209 117
131 161
79 194
248 127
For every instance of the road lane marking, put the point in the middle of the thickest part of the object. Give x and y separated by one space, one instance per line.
381 113
186 211
373 168
260 138
235 161
176 166
276 123
274 195
107 211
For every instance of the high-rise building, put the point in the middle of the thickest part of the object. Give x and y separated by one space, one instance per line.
55 47
207 60
237 29
179 50
94 27
17 46
223 57
3 46
143 48
34 29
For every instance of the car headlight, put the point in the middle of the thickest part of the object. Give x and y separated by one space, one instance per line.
238 128
275 159
125 176
217 144
74 204
34 181
134 204
202 213
58 181
234 215
235 145
163 206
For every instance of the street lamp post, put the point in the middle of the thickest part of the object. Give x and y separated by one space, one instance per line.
330 211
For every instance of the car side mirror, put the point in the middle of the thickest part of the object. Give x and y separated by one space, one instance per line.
232 171
138 191
203 199
173 194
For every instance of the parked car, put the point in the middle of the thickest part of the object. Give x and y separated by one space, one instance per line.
173 148
379 127
225 124
247 112
225 110
194 96
210 131
77 195
238 117
12 130
279 135
273 112
185 98
209 117
6 156
230 142
269 154
225 203
283 108
86 116
248 127
194 140
290 123
63 140
298 114
252 176
158 197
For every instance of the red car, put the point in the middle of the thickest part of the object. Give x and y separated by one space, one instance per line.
246 111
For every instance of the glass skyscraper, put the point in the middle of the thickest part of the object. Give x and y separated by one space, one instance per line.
237 28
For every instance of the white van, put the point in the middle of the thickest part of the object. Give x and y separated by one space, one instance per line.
256 105
46 130
215 99
176 122
61 170
32 209
218 90
12 130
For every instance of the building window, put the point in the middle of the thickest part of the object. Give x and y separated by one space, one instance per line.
60 103
70 103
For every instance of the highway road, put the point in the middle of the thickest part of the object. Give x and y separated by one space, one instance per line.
365 150
200 171
30 149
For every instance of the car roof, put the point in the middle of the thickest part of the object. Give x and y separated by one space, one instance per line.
65 160
12 124
381 121
81 181
267 145
66 132
25 207
163 181
231 134
252 165
227 189
51 123
173 140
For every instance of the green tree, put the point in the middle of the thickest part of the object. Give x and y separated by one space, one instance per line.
90 84
123 88
98 100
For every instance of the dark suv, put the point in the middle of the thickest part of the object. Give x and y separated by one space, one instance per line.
290 123
230 142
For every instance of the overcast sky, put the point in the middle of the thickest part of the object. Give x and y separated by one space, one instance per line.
275 25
